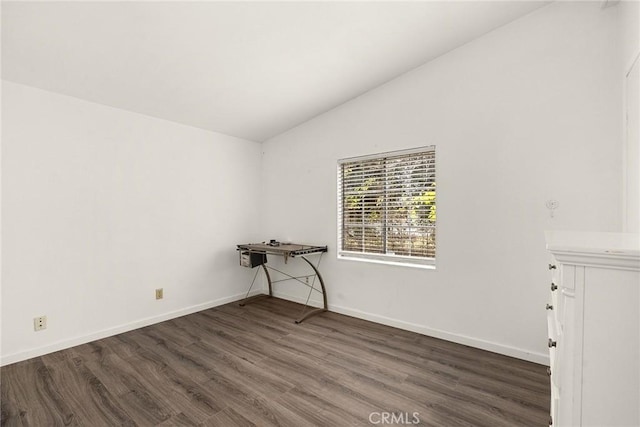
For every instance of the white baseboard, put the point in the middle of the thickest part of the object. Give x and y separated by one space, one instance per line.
506 350
67 343
448 336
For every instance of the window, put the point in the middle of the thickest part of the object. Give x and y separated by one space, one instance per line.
387 207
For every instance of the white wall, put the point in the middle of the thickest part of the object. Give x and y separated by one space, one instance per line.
0 194
527 113
101 206
629 12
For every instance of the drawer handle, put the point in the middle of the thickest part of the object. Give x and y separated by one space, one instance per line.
552 267
553 286
549 371
550 420
552 343
549 307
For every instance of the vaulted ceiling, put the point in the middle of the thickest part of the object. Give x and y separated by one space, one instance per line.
247 69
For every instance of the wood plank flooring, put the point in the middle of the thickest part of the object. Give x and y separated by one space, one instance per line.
244 366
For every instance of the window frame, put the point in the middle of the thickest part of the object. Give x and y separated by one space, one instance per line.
386 224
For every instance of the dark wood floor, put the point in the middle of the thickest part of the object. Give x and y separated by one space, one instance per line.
252 365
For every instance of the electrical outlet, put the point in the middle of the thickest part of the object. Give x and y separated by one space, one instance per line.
39 323
159 293
306 279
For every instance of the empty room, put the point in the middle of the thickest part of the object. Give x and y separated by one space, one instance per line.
332 213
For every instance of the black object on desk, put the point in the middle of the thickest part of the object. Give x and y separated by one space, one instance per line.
255 254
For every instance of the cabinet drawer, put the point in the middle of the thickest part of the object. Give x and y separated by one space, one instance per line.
552 344
551 325
554 270
554 291
555 398
554 411
554 309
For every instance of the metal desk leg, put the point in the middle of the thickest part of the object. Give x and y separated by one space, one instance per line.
324 295
249 299
266 272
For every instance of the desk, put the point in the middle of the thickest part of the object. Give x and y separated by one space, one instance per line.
255 254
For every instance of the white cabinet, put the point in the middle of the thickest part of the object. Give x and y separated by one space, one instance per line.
594 328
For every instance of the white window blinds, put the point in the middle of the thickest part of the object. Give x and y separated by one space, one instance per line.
387 207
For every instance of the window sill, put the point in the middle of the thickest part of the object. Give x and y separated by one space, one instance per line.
387 262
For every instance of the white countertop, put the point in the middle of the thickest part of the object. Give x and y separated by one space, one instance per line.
593 242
